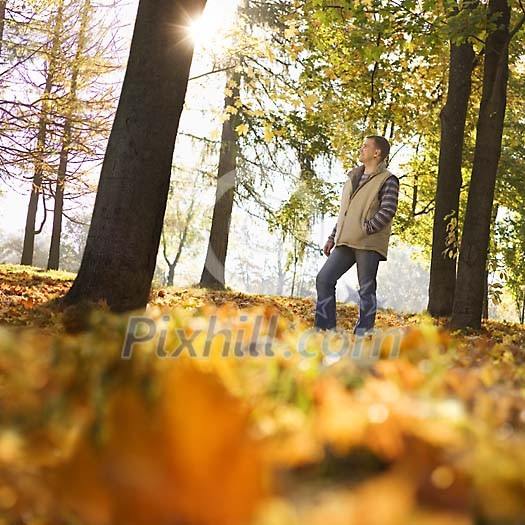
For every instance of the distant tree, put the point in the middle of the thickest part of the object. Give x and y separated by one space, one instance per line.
67 139
213 273
52 69
57 96
182 225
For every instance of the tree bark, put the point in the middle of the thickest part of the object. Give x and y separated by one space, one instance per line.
53 261
54 248
453 117
213 274
2 24
123 240
36 186
468 299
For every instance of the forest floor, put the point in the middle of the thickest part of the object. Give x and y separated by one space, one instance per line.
415 425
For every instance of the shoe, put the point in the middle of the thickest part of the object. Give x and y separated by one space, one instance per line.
365 333
332 358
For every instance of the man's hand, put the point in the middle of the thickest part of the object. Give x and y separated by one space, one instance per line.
328 247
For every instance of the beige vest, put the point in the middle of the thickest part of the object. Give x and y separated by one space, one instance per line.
360 205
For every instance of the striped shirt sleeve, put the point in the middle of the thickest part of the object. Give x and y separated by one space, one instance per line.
388 197
331 237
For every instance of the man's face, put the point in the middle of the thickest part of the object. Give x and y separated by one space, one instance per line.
369 151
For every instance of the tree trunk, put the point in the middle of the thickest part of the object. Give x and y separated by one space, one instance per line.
522 313
124 236
294 273
485 310
171 273
54 248
29 234
468 300
187 223
415 189
453 117
213 272
2 24
281 272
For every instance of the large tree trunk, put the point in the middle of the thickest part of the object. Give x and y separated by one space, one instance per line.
453 117
468 300
123 240
36 186
54 248
213 272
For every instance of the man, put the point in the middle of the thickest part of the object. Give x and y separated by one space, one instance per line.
361 235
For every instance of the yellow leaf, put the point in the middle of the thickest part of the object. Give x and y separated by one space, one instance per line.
290 32
268 133
269 53
241 129
329 72
310 101
194 440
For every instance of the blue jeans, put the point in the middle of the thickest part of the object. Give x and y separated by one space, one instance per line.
340 260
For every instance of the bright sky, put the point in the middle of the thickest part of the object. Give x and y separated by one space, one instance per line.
208 32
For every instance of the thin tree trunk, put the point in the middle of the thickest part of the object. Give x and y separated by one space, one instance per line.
468 300
485 312
2 24
213 274
29 234
54 248
294 274
171 274
281 272
522 314
453 118
172 264
123 240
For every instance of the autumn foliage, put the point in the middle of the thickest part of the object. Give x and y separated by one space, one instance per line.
433 436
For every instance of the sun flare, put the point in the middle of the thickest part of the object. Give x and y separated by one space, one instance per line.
212 25
199 30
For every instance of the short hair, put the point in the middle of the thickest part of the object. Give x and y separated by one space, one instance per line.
382 144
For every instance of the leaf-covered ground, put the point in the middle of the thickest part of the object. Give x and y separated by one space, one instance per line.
420 427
